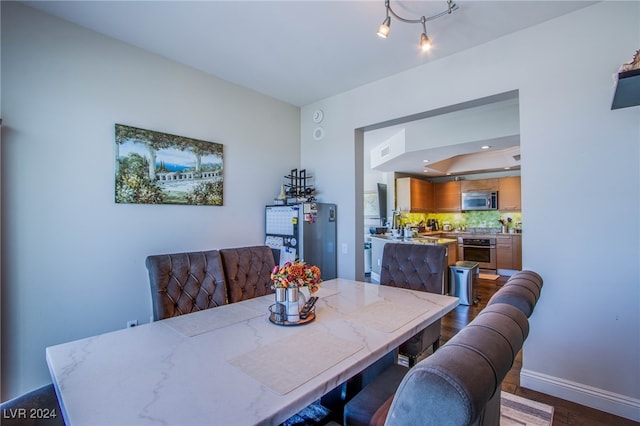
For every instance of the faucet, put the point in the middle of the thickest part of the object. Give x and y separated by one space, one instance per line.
394 214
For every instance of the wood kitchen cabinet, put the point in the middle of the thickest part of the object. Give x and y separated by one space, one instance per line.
504 252
509 194
414 195
452 254
516 243
447 196
509 252
480 185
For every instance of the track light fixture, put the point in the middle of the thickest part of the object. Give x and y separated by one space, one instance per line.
425 42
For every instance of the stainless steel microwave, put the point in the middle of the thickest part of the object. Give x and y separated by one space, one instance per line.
480 200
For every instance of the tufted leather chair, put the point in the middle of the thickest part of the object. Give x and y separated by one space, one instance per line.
248 271
185 282
522 290
419 267
458 385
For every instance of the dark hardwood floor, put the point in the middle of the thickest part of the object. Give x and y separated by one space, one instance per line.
565 412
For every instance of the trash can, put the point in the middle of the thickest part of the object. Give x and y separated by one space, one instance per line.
463 277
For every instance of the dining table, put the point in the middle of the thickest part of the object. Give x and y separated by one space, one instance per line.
232 365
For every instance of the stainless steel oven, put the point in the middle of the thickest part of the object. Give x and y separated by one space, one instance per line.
481 250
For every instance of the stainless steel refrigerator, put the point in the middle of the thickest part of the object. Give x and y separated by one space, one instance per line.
304 231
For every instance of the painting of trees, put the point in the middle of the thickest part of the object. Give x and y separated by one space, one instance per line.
160 168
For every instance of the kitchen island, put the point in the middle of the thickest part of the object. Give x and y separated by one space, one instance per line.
378 242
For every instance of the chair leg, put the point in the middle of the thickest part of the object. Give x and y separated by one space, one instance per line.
412 360
436 345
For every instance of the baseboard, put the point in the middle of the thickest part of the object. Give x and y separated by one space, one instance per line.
619 405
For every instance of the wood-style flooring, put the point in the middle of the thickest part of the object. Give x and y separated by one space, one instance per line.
565 412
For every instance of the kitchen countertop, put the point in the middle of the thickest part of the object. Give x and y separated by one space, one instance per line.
474 233
421 239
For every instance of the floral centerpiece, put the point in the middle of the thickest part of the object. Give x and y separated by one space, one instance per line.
296 274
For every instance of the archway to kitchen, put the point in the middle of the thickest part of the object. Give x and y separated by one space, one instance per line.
450 138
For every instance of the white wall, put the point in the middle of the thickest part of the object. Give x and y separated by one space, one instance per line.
580 172
73 260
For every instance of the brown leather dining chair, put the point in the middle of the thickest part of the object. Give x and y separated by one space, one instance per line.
248 271
182 283
419 267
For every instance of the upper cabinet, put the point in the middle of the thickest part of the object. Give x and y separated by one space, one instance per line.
447 196
479 185
509 194
414 195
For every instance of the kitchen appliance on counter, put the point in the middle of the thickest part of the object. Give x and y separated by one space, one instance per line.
480 200
305 231
432 224
481 250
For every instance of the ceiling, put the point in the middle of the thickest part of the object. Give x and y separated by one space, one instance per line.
486 138
301 51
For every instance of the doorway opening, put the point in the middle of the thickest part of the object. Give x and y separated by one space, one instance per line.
438 145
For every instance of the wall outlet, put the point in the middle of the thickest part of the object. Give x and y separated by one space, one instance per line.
132 323
345 248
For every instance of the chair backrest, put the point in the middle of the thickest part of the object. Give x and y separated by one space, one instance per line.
414 266
522 290
460 383
185 282
248 271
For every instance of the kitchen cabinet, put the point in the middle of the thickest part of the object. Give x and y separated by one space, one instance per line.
480 185
509 252
516 242
452 254
447 196
504 252
509 194
414 195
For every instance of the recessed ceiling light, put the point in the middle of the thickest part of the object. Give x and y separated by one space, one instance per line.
485 146
507 168
425 161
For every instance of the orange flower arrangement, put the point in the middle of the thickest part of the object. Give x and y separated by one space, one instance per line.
296 274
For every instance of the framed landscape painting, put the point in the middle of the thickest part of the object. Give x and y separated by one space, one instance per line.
159 168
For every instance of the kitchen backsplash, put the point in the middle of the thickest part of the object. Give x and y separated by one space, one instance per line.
471 219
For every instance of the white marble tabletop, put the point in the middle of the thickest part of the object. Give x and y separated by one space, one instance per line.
245 371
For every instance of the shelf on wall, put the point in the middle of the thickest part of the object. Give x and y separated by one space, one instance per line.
627 92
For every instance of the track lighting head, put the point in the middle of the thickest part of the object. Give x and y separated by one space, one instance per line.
425 41
385 27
